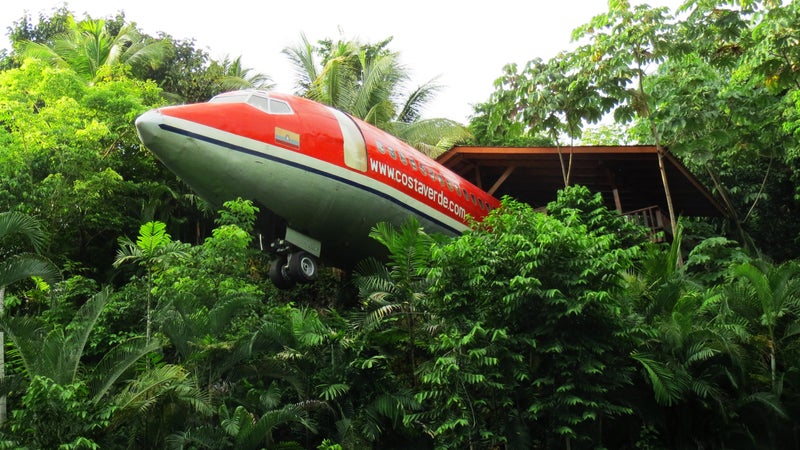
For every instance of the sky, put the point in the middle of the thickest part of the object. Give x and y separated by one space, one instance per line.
464 43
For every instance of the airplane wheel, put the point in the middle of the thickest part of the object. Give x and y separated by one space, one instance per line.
303 267
279 274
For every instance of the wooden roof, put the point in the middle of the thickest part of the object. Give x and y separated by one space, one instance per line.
533 175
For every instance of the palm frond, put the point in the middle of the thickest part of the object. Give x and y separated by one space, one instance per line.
302 58
431 136
41 52
24 266
27 333
80 327
411 110
14 223
668 386
118 361
143 393
768 400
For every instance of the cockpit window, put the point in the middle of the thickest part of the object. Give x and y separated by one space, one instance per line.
230 98
258 100
279 107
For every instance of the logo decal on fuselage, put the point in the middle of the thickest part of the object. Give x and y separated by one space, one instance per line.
287 137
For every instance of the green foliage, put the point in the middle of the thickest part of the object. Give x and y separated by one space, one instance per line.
530 331
89 45
576 205
715 85
69 154
241 213
53 415
769 298
709 261
516 293
394 293
19 232
369 82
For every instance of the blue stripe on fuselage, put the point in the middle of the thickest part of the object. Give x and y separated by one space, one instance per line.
331 176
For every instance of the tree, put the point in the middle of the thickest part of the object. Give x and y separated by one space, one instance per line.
770 297
153 250
368 81
88 45
235 76
73 159
393 294
530 328
550 98
42 32
719 108
690 354
56 381
624 42
17 266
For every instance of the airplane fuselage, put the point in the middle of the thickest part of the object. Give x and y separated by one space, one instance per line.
330 176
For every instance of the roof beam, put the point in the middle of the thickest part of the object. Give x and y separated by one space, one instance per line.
501 180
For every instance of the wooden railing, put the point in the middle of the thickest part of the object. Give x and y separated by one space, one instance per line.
652 218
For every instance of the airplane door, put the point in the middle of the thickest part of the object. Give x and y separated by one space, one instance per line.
355 148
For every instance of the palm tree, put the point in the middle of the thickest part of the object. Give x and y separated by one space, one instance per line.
242 429
87 46
368 81
395 291
690 353
55 354
19 266
153 249
235 76
769 298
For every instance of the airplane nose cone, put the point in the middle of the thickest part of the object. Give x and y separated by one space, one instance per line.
148 127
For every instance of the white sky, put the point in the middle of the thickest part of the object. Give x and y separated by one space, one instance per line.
465 43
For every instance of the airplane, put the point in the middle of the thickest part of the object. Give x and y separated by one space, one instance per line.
324 177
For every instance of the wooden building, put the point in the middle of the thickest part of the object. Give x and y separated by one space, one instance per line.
627 177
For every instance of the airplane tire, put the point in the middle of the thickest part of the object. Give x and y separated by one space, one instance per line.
303 267
279 274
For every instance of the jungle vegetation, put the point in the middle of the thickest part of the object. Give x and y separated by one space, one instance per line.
135 315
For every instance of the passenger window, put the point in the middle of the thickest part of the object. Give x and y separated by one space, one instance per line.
392 153
381 148
474 200
413 163
403 159
423 169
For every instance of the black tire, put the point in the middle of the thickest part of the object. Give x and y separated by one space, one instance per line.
303 267
279 274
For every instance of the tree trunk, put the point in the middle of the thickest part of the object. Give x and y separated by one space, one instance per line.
667 192
3 399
